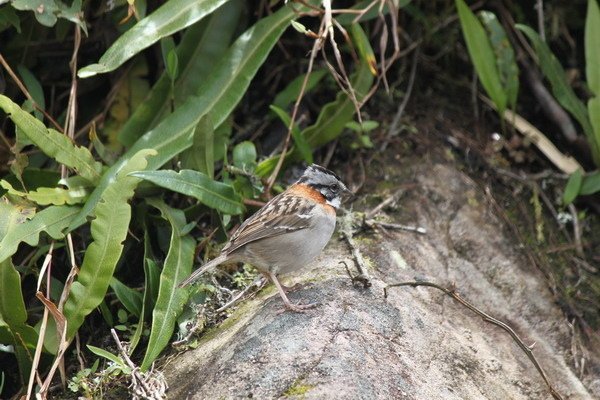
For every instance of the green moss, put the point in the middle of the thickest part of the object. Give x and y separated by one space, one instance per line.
298 388
472 198
242 310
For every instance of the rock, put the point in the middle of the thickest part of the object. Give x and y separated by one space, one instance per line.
417 343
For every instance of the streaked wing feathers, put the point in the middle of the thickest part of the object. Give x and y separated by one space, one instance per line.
284 213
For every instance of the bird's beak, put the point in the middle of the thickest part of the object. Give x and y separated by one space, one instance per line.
348 195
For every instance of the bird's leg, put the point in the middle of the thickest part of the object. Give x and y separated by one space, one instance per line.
285 288
288 304
291 288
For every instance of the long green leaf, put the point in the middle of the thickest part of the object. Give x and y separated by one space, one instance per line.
506 63
299 139
482 55
108 355
131 299
200 49
592 70
171 17
52 220
12 215
593 107
590 184
201 156
151 283
555 73
109 230
44 196
14 316
171 299
217 195
572 187
289 94
53 143
592 40
223 89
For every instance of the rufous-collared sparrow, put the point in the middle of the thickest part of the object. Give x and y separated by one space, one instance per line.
288 232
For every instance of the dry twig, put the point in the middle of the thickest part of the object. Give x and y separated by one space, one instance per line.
259 282
394 126
313 54
149 385
24 90
347 232
576 231
528 350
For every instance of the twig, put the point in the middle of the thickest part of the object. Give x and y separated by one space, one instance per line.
363 177
329 154
26 92
394 130
313 54
72 104
329 31
259 282
371 223
387 201
142 379
383 40
528 350
253 203
539 8
576 231
57 314
548 103
134 368
364 280
585 265
347 233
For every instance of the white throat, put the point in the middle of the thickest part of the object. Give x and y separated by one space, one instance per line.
335 202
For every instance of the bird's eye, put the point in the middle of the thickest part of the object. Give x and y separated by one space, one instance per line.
335 187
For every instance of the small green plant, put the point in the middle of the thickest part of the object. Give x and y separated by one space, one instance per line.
83 382
492 55
92 382
361 131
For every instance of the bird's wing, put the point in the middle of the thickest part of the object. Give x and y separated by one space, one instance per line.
283 214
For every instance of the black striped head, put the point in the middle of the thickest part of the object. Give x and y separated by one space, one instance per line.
326 182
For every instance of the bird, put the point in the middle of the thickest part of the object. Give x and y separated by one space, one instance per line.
288 232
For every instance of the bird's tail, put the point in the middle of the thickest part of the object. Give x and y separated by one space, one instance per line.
206 267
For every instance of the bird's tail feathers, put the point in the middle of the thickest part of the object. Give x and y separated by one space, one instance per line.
205 268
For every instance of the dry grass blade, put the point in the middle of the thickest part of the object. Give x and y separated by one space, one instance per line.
565 163
33 376
61 327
